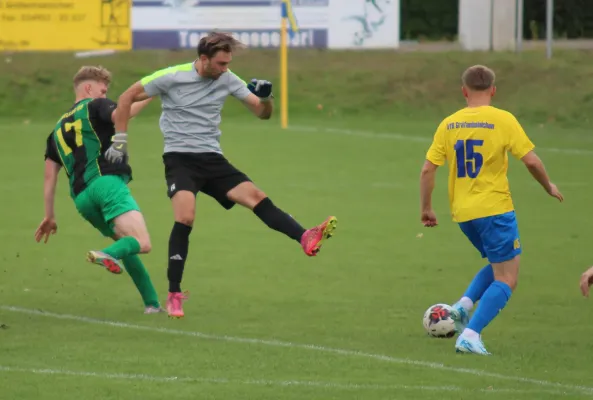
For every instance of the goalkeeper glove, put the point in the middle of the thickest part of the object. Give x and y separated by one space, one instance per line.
261 88
118 151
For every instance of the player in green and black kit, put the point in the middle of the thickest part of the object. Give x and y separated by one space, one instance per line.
99 188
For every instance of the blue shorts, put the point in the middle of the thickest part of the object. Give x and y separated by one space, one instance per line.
495 237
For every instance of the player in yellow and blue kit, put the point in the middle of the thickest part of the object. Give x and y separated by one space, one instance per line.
475 141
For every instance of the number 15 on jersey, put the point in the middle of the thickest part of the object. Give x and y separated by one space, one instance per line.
469 159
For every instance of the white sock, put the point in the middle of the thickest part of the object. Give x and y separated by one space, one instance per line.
466 303
470 334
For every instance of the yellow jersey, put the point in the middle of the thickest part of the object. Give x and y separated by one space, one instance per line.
475 142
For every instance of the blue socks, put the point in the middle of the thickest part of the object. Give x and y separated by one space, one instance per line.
480 283
493 296
493 301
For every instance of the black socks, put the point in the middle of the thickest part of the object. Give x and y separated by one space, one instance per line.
178 246
278 220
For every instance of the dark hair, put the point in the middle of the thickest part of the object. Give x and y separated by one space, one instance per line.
214 42
478 78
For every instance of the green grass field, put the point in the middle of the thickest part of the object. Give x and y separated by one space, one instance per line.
266 322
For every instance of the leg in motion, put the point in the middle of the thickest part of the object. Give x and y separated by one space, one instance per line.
495 298
110 207
141 278
131 237
499 240
476 289
184 206
249 196
112 210
128 226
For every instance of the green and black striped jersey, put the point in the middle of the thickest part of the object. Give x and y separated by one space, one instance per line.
79 140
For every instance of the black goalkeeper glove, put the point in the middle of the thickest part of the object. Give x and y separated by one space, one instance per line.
261 88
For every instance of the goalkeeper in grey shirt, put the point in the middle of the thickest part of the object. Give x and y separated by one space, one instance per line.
192 97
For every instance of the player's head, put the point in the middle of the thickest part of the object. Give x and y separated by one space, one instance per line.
92 82
215 52
478 81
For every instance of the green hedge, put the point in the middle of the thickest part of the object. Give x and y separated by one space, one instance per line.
573 19
438 19
429 19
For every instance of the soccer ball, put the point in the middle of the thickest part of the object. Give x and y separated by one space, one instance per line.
438 322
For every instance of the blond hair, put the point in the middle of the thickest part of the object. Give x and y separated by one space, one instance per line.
92 73
478 78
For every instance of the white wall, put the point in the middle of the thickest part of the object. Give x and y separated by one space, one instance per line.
360 24
504 25
487 24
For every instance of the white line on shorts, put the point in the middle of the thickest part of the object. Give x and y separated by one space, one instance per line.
277 343
263 382
418 139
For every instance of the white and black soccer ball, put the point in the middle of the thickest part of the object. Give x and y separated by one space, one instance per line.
437 321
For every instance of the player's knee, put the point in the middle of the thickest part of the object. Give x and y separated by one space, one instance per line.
246 194
510 276
510 280
145 245
185 214
252 199
184 207
513 284
507 272
258 196
185 219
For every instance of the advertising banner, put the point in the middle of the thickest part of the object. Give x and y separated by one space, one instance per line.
179 24
57 25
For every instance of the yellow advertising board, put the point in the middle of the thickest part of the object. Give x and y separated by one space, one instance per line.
61 25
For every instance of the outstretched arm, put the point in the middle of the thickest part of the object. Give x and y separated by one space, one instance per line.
106 109
48 226
427 179
149 86
126 110
521 148
435 157
136 108
49 186
129 104
536 167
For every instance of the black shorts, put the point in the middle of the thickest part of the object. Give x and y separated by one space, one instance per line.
209 173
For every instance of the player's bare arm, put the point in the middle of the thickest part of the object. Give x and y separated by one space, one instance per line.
536 167
259 108
135 108
123 113
427 181
48 226
586 281
118 151
259 102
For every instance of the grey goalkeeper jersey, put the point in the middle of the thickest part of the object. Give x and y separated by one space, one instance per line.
191 106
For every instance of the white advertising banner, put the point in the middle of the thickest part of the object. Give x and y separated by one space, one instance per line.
364 24
178 24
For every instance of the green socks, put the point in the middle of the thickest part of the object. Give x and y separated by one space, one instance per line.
127 249
139 275
123 247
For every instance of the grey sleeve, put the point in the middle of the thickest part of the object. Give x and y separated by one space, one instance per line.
158 83
238 87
